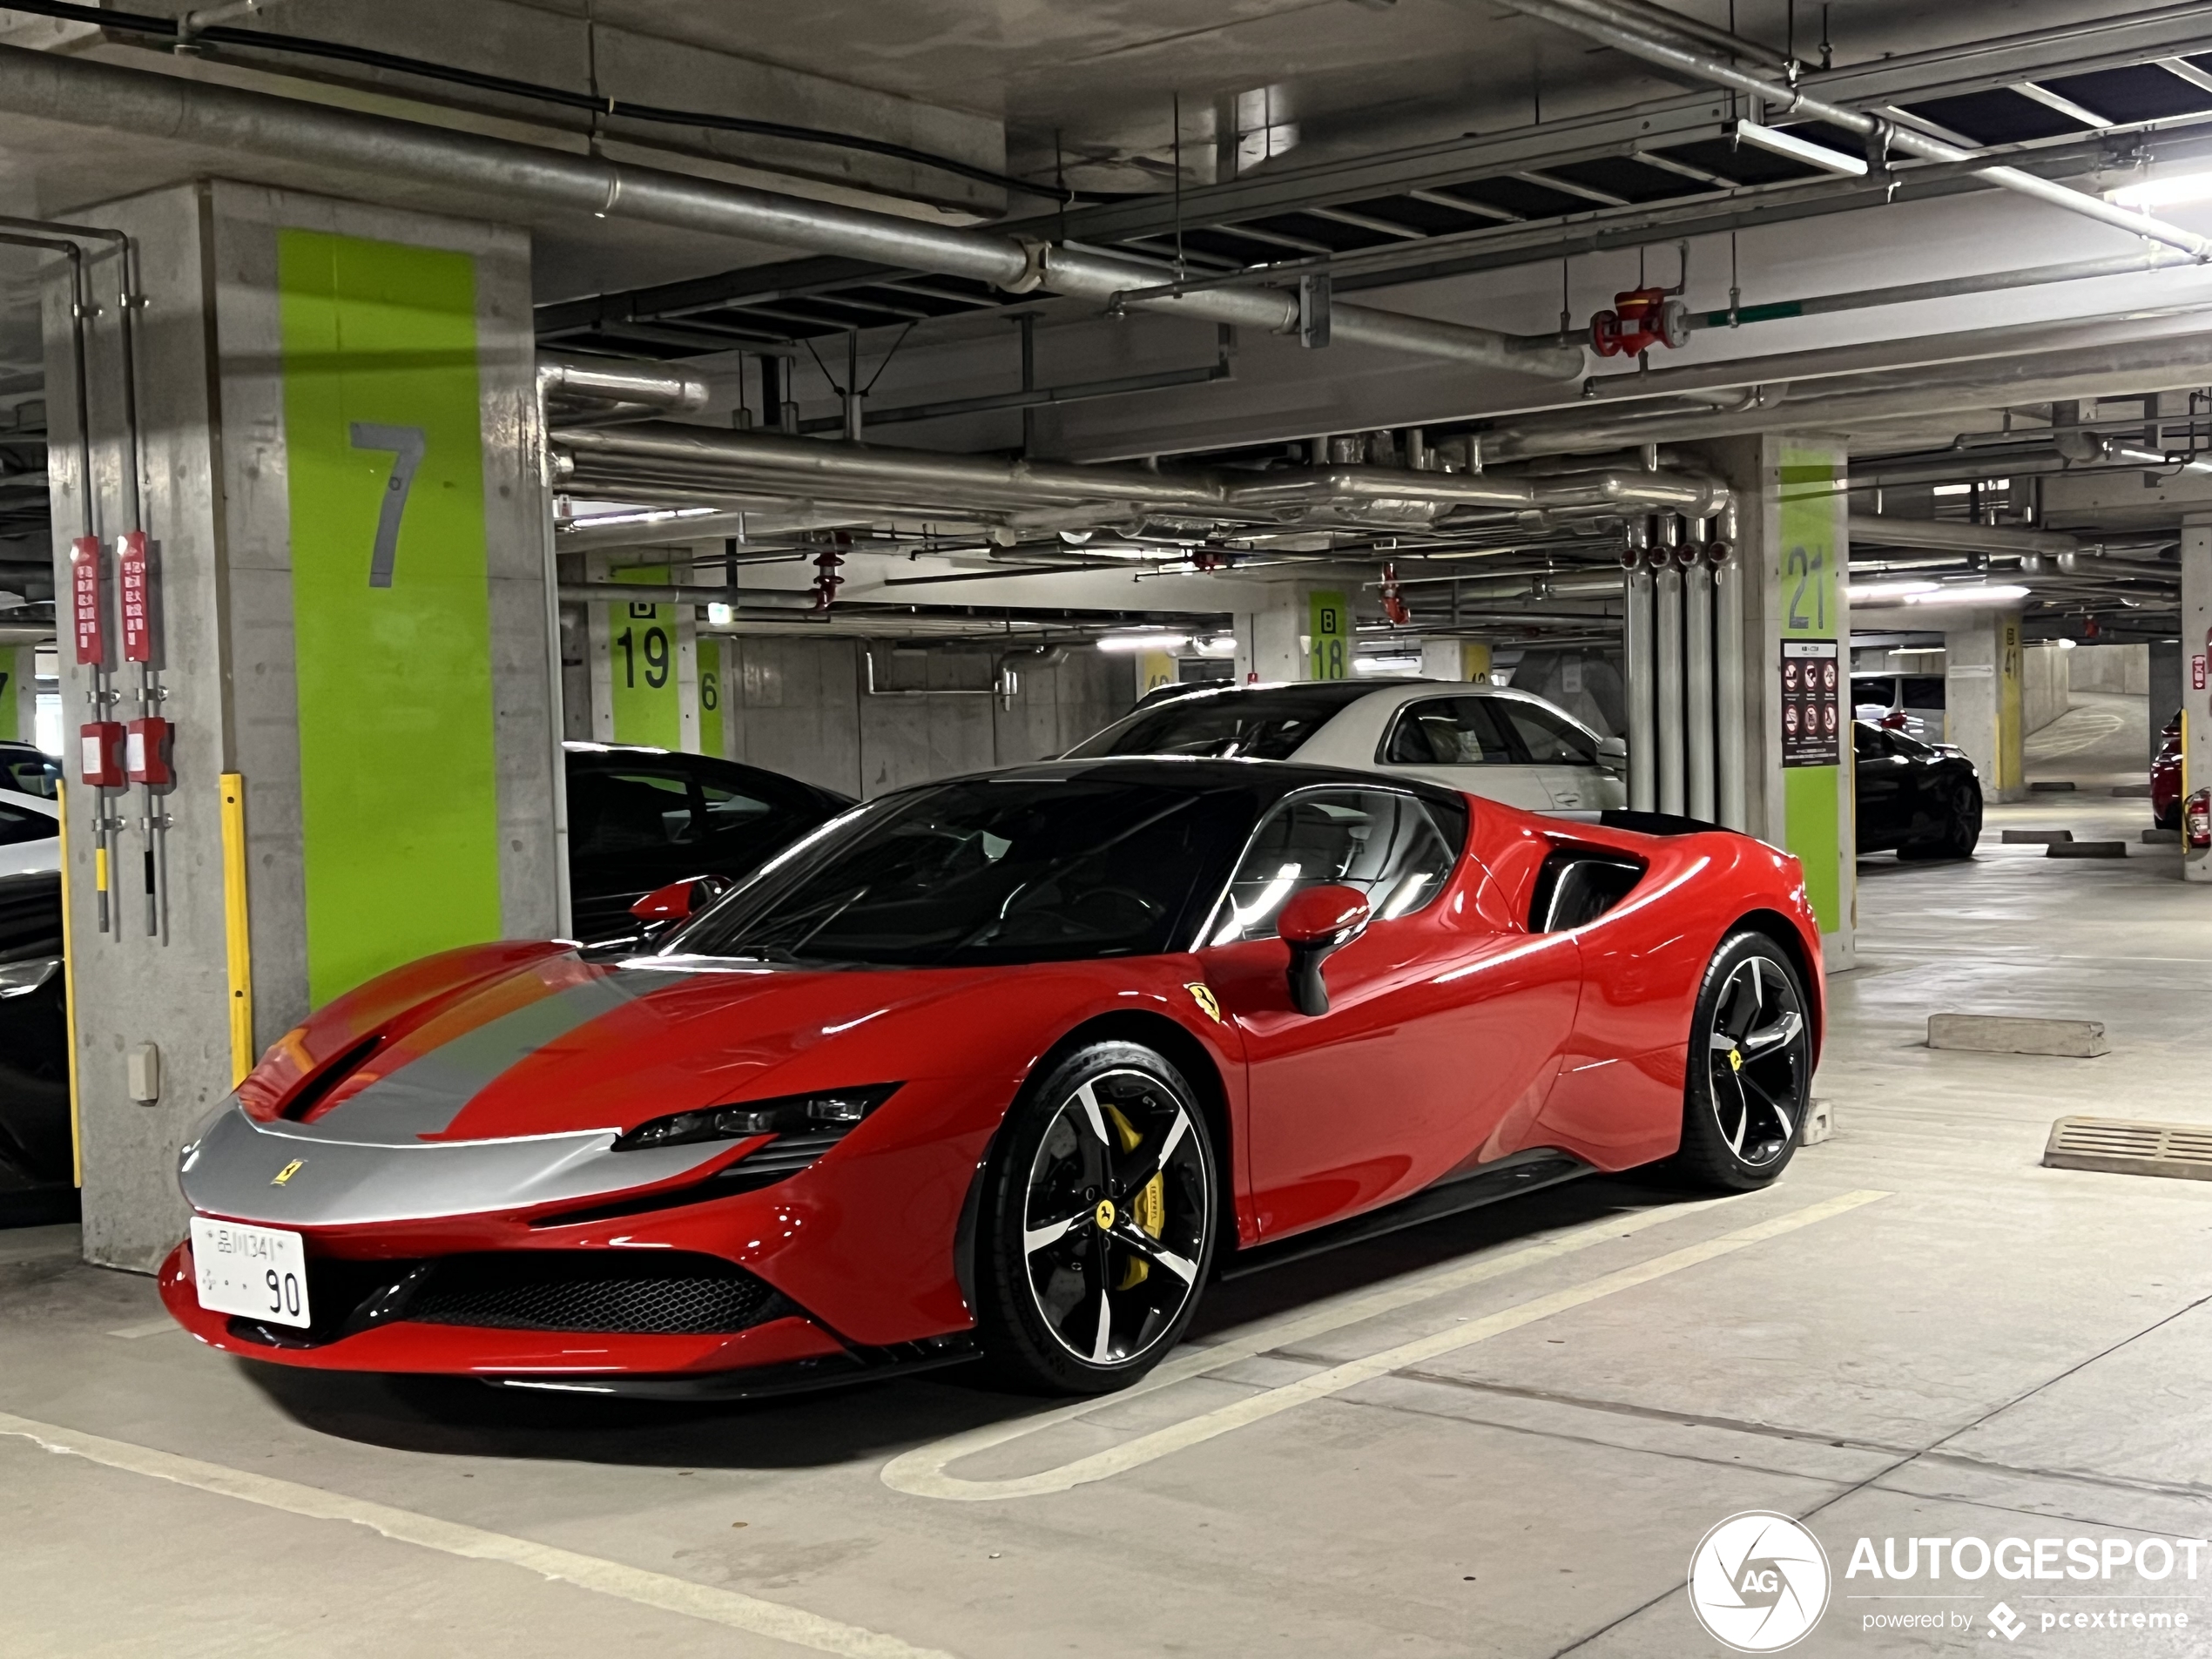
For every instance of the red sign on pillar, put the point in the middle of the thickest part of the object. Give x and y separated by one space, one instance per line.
84 599
2196 673
134 594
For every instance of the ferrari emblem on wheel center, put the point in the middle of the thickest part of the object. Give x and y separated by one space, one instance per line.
1105 1214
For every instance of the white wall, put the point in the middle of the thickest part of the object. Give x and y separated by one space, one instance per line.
2111 668
2044 683
801 707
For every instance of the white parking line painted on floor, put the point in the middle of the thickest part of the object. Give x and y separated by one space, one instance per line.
159 1327
730 1608
921 1471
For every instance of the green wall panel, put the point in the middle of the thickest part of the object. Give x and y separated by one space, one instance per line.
641 658
709 665
1329 624
16 667
1812 796
391 611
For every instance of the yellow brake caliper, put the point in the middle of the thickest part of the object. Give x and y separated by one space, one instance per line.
1148 1208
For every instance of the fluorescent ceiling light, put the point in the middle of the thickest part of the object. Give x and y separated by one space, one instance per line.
2067 644
1779 143
2172 191
721 616
1142 642
1218 645
649 515
1992 593
1385 664
1883 593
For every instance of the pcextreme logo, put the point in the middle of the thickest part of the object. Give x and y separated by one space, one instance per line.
1758 1581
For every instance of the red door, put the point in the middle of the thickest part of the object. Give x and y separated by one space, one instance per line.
1442 1034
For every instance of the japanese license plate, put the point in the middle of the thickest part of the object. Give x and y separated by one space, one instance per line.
257 1273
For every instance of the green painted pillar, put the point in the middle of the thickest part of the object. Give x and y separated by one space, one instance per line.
348 526
1794 561
644 680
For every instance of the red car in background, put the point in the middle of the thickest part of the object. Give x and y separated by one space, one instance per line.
2166 777
1007 1064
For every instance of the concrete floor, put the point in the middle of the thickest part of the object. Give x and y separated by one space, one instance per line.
1565 1394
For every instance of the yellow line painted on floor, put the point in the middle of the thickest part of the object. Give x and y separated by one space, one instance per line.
921 1471
730 1608
160 1327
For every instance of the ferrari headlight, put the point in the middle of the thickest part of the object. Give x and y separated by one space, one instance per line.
829 1108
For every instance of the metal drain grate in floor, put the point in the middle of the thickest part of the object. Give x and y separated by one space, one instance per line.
2117 1146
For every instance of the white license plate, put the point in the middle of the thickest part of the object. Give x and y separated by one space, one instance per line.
257 1273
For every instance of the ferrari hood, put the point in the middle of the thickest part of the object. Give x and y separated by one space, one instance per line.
563 1046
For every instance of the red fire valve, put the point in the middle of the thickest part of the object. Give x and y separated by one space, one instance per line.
147 753
1639 318
100 751
2196 821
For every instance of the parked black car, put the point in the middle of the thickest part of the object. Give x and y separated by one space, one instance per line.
1925 802
36 1174
639 818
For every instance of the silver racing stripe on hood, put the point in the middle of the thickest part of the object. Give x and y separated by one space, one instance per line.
424 1096
279 1175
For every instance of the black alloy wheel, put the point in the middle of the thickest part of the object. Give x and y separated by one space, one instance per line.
1103 1222
1750 1067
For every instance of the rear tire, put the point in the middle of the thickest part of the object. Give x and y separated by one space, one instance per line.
1749 1078
1101 1214
1961 831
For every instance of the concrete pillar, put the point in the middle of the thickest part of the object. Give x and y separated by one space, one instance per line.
1446 660
1982 674
2197 701
1792 567
2166 679
1301 632
348 535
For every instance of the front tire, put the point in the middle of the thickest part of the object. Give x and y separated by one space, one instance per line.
1750 1069
1103 1211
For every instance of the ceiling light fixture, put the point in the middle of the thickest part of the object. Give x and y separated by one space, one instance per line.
1989 593
1884 593
1142 642
2172 189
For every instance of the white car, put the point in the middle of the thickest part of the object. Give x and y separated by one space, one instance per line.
30 834
1488 740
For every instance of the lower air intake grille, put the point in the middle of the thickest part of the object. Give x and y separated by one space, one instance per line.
603 1292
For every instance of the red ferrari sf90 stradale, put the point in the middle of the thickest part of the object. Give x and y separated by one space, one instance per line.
1012 1064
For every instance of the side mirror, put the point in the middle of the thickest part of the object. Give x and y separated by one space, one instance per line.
1613 753
678 900
1313 924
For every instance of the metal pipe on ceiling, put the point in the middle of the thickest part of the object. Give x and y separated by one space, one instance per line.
2176 363
620 384
75 91
1594 20
1944 536
920 480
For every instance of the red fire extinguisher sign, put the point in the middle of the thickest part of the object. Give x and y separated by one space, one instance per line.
84 599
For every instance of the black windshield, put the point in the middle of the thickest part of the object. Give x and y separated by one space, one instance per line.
1269 725
992 871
